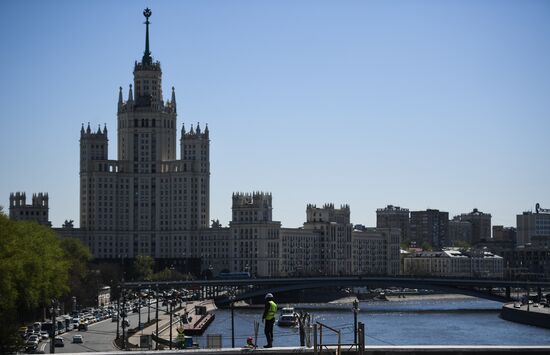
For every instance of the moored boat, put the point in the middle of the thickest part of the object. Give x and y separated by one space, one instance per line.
288 317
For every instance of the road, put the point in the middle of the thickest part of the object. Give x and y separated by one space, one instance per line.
99 336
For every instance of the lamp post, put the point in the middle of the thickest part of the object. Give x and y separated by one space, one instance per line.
355 311
157 317
53 310
139 307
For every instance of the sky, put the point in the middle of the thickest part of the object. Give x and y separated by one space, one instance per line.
419 104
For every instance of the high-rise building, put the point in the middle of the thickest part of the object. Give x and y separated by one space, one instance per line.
335 229
254 235
481 225
533 225
459 232
394 217
149 202
37 211
430 226
146 201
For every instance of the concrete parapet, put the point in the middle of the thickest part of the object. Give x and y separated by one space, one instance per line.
377 350
539 317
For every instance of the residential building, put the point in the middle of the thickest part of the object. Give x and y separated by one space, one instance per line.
533 224
481 225
504 234
376 251
37 211
430 226
453 263
255 237
150 202
459 231
146 202
527 262
394 217
335 230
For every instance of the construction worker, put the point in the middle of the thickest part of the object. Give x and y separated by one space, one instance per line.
269 316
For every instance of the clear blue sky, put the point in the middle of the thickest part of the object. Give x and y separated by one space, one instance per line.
422 104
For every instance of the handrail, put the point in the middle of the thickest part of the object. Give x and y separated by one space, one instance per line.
339 348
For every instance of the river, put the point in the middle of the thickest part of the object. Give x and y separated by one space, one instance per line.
468 321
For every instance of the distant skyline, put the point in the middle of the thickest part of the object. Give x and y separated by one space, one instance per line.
419 104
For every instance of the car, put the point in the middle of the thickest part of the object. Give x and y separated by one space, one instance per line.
77 339
58 342
33 339
44 335
31 348
83 326
114 318
36 326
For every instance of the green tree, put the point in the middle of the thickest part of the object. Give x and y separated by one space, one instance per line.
169 274
143 267
78 256
464 245
33 271
427 246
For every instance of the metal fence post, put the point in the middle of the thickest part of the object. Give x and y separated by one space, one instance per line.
315 339
361 332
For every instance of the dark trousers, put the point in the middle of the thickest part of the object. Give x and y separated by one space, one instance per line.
269 331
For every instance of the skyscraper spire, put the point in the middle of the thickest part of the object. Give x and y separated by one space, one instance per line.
147 60
120 97
173 99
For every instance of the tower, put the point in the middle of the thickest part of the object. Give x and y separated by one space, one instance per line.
146 202
37 211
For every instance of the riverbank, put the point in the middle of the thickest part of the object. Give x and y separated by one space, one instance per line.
537 316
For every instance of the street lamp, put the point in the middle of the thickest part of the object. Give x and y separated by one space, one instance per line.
53 310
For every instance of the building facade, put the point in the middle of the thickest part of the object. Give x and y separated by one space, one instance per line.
146 202
533 225
481 225
334 229
459 231
394 217
37 211
454 263
149 202
429 226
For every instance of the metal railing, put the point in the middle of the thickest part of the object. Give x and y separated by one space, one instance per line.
319 346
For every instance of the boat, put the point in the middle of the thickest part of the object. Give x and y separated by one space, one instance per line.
288 317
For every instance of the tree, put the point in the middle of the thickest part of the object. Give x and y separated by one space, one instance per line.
80 282
170 275
427 246
463 245
33 271
143 267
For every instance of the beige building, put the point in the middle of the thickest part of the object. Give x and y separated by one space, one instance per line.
454 263
394 217
146 202
533 225
481 225
459 231
37 211
376 251
334 229
149 202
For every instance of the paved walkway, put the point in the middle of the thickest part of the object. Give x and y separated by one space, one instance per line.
164 320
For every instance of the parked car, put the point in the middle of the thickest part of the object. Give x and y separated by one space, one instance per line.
33 339
77 339
58 342
44 335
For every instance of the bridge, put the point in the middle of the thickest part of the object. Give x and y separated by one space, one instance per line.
243 289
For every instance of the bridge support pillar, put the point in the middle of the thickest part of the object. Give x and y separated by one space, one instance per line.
508 292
